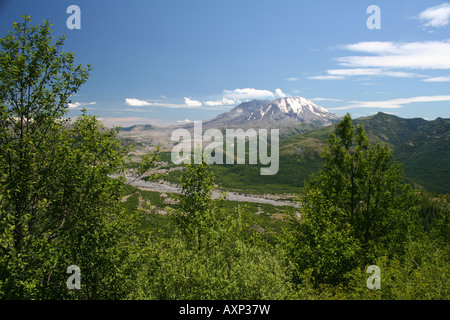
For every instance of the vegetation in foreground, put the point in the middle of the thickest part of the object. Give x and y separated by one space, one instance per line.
59 207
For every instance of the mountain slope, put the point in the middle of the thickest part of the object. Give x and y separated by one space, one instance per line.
423 147
137 127
281 113
298 109
239 115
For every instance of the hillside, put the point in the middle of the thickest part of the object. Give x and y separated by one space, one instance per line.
423 147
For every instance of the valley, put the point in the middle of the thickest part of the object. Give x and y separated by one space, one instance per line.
421 146
169 188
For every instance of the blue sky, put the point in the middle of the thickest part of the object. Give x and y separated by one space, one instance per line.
171 61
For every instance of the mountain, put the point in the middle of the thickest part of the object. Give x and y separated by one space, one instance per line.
421 146
297 109
289 115
279 113
145 135
137 127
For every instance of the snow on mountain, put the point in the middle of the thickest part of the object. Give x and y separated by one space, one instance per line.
281 112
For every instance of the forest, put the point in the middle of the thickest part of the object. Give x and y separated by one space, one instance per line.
60 207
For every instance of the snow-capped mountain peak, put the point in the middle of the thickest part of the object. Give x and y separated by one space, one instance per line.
298 108
279 112
299 105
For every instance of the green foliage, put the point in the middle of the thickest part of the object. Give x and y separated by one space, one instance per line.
58 205
434 212
148 162
210 253
196 188
421 146
221 268
421 273
67 214
247 178
355 210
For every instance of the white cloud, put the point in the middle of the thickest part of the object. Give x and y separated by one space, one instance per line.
141 103
327 77
393 103
438 16
236 96
292 79
188 104
391 59
214 103
373 47
325 99
221 102
136 102
437 79
192 103
410 55
80 104
248 94
279 93
339 74
228 98
370 72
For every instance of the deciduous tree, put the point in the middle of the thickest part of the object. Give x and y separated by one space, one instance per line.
356 208
58 205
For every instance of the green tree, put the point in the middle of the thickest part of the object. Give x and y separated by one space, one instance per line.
196 188
58 204
356 209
